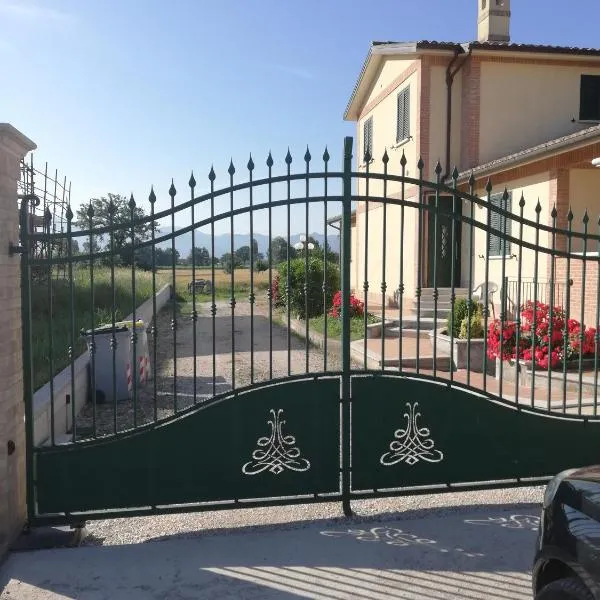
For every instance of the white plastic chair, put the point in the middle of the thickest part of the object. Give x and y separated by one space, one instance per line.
483 291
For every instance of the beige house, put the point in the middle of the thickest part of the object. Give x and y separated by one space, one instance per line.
525 116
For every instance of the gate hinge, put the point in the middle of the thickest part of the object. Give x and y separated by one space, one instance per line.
15 249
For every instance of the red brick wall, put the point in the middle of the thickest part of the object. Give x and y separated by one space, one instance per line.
590 294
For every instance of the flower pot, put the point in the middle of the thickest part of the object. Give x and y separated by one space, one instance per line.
464 352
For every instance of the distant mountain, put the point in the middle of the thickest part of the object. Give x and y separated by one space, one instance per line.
183 243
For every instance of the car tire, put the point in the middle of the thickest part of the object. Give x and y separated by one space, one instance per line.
565 589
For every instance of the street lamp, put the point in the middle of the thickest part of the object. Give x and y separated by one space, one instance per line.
302 243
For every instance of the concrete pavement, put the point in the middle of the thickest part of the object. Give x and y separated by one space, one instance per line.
471 552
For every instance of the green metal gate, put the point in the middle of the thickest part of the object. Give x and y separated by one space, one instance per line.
274 419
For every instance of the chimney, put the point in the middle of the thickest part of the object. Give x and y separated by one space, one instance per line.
493 24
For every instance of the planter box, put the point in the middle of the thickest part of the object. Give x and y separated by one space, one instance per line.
461 351
524 368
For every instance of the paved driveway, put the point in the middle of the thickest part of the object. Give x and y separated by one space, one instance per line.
475 553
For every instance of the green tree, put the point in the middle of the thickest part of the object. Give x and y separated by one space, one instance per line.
121 220
201 256
243 254
279 249
164 257
227 264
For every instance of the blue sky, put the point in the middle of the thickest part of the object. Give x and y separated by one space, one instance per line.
122 94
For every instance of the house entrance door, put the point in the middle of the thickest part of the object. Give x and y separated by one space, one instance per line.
443 240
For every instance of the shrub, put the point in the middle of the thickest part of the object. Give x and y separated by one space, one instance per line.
261 265
461 310
476 331
278 298
357 308
536 345
295 297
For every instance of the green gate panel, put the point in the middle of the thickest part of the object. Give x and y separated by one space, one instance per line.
413 432
279 440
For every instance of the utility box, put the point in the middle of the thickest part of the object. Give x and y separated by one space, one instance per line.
124 369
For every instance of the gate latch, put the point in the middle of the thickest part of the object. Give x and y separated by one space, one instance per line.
15 249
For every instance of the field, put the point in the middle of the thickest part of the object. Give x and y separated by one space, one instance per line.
58 325
222 281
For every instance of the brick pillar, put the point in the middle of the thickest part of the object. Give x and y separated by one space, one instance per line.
13 147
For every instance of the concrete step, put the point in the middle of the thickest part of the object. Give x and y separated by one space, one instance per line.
410 322
430 312
430 304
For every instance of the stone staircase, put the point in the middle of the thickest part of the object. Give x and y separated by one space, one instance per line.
423 319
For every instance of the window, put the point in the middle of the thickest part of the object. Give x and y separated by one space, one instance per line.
368 137
499 245
403 115
589 100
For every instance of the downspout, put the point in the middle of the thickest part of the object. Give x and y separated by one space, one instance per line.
449 81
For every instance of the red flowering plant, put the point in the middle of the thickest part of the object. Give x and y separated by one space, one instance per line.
357 308
542 337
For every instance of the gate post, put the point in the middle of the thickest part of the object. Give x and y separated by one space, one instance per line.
13 147
346 233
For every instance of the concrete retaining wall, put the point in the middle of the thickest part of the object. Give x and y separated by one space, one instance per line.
42 404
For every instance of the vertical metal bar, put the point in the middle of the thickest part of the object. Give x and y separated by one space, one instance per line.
134 359
152 199
366 257
567 306
504 246
113 339
288 162
213 306
518 296
538 210
48 220
325 263
28 354
251 296
597 336
438 172
385 161
419 277
345 284
552 302
486 308
270 253
72 313
92 348
471 259
454 249
192 184
231 171
586 219
172 193
307 290
403 162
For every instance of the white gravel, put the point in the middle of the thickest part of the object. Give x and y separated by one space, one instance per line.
141 529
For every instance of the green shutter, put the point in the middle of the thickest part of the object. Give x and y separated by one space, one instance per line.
406 114
499 245
403 115
589 105
368 137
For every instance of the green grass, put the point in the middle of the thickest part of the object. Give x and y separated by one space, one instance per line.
58 324
334 326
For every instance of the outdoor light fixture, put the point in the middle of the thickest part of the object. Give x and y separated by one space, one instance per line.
300 245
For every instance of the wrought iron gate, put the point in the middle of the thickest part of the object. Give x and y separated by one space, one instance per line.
262 419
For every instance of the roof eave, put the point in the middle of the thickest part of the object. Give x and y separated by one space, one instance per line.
376 53
536 154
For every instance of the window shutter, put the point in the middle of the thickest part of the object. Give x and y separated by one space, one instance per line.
406 114
589 100
403 115
499 245
368 137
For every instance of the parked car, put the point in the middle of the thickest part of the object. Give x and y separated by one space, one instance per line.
567 560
